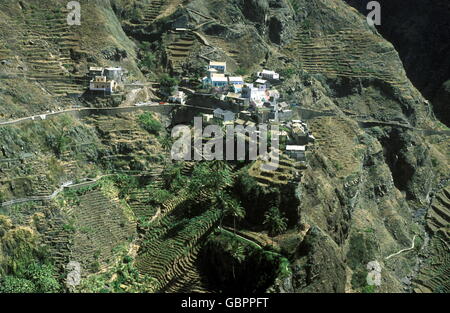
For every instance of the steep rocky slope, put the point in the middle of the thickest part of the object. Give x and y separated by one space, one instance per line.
420 32
375 177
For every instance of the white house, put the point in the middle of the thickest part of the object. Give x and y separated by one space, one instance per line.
296 152
178 97
237 88
95 71
101 83
257 95
221 67
220 80
215 80
235 80
224 115
266 74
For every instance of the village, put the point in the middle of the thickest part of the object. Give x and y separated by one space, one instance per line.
235 101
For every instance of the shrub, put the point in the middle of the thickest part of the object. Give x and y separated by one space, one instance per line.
369 289
148 60
287 72
167 84
11 284
241 71
43 276
362 250
359 278
275 221
150 124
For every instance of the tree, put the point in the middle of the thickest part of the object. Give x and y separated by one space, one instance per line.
241 71
148 61
147 58
275 221
166 142
158 196
229 206
237 253
207 178
167 84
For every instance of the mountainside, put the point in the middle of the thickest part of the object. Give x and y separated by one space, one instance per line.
421 35
95 184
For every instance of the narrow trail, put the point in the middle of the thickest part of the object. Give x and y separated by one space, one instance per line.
403 250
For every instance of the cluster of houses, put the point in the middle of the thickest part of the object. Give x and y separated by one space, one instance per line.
260 103
235 89
105 80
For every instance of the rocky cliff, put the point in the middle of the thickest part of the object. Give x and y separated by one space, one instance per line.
420 32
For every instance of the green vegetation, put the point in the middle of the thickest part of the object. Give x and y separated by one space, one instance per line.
149 123
11 284
166 142
125 183
231 261
229 206
359 278
147 62
124 277
241 71
369 289
362 250
36 277
157 196
275 221
167 84
287 72
128 9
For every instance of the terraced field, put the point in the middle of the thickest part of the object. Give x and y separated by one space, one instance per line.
29 177
434 275
287 171
101 227
439 215
139 204
347 53
58 239
47 46
335 138
180 49
130 148
153 10
169 252
227 47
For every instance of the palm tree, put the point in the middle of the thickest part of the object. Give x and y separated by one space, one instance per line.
219 165
275 221
237 253
166 142
236 211
229 207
